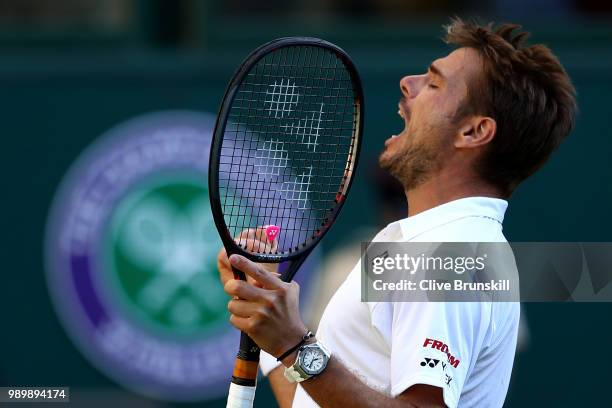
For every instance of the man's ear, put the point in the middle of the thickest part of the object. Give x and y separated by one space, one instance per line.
476 131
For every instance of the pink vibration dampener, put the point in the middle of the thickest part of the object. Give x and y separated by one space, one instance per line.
272 232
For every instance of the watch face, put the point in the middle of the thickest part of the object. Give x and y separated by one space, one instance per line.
313 361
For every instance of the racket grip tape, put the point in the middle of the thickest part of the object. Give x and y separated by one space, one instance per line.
244 377
247 362
240 396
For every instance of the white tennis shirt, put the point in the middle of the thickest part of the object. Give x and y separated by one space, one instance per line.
465 348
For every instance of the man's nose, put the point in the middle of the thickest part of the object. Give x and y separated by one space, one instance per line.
410 85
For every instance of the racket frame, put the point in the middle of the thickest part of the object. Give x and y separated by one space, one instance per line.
214 161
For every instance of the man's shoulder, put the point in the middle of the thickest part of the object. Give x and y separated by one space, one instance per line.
465 229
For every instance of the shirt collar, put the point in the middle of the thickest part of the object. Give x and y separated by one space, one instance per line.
486 207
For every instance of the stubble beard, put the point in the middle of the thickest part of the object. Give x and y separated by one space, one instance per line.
414 165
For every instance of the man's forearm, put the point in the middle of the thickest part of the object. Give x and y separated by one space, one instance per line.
284 391
338 387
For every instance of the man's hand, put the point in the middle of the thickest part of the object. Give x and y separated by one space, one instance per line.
269 312
253 238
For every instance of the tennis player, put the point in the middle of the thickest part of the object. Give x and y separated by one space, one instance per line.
477 123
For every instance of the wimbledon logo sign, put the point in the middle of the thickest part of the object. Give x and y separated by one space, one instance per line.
131 259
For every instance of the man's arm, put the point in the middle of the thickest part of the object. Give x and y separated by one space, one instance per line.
419 395
270 316
338 387
283 389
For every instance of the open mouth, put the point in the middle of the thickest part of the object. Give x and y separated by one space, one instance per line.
402 113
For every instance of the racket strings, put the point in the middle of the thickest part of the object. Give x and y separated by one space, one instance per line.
288 146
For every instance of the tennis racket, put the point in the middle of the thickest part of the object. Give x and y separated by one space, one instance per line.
283 156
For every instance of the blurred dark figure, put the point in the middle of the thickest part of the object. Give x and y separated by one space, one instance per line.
58 13
390 195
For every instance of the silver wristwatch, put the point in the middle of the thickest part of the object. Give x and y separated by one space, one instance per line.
311 360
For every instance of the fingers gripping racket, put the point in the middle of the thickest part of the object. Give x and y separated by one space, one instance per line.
283 156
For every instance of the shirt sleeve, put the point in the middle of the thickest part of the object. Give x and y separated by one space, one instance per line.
434 343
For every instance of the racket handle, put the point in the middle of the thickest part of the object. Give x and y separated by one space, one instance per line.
247 362
244 377
240 396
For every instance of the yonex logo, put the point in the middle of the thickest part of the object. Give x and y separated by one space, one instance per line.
271 232
429 362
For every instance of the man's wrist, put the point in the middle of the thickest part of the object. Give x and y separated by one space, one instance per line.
290 359
292 342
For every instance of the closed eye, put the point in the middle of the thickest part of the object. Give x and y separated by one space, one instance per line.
432 86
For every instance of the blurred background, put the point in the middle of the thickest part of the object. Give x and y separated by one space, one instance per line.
70 70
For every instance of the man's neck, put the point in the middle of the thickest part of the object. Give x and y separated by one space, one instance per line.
443 188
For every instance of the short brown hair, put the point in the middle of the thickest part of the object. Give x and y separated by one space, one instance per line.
528 93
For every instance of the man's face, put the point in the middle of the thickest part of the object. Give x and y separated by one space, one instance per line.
429 106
